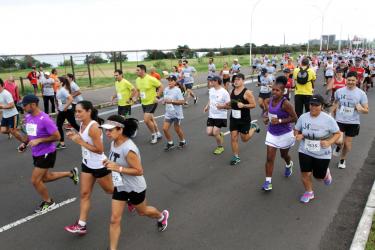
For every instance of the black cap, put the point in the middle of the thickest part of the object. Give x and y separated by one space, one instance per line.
264 71
216 78
317 99
172 77
209 78
27 99
286 70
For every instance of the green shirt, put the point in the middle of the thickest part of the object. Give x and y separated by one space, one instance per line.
147 88
123 89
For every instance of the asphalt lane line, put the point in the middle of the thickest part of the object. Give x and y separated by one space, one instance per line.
156 117
30 217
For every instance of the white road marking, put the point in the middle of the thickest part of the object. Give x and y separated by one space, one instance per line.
156 117
30 217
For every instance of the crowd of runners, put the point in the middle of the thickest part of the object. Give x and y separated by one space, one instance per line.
324 125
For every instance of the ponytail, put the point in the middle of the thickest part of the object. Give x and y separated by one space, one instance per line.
87 105
130 124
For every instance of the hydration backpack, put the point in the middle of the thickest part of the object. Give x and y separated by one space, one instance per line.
302 76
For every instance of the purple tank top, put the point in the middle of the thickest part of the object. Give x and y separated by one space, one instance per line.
278 129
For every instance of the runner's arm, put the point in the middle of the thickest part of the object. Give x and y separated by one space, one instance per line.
69 101
95 133
250 98
134 165
7 106
292 113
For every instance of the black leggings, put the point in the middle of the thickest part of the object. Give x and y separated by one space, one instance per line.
301 101
46 100
68 115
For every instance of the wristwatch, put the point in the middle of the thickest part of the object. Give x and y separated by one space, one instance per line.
280 120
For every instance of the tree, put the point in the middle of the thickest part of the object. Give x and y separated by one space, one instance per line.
123 58
155 55
28 61
185 51
7 62
66 63
95 59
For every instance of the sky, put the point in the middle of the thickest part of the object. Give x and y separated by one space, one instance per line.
50 26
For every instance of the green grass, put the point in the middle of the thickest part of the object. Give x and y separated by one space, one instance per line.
371 239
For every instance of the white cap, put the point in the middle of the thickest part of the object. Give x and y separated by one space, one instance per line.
236 60
47 73
111 125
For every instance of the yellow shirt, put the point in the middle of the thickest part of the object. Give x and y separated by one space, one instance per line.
304 89
147 88
123 90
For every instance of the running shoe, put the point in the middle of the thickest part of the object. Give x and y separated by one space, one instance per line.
159 135
45 206
328 179
195 100
162 225
169 147
154 139
235 160
219 150
255 125
267 186
76 228
306 197
342 164
182 144
131 207
336 152
75 175
10 136
60 146
22 148
288 169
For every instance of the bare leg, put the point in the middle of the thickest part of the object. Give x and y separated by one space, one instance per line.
115 226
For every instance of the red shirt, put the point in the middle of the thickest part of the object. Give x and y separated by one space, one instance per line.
289 84
13 90
337 84
360 72
32 77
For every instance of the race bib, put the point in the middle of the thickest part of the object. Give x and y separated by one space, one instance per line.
285 91
264 89
31 129
270 116
186 74
312 145
143 95
117 179
119 96
346 111
236 114
85 153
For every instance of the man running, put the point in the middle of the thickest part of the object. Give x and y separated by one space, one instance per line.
350 102
41 136
9 120
217 116
149 89
188 77
125 93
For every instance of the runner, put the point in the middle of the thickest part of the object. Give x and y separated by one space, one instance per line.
173 101
9 120
188 76
317 131
76 91
360 72
372 71
329 73
304 78
211 67
125 94
242 101
280 115
154 73
90 138
349 103
235 68
338 82
290 85
224 73
217 114
266 81
41 136
56 83
127 176
33 78
149 90
47 91
65 110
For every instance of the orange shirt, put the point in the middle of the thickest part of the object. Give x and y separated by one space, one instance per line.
56 85
156 75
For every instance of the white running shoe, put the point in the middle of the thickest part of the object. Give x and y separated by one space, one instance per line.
341 165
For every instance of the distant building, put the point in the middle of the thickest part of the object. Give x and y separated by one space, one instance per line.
330 39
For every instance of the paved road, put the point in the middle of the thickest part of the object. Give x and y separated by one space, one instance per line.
213 205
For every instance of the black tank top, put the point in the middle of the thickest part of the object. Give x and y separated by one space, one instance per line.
245 112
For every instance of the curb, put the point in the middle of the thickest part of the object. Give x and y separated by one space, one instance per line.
364 226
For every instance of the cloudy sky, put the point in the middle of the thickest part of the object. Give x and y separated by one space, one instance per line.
47 26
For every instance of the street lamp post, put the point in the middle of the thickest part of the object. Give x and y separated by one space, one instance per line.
251 29
322 12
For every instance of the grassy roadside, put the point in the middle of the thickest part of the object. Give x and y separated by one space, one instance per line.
371 239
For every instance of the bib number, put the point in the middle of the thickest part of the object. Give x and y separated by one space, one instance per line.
312 145
186 74
31 129
236 114
85 153
169 107
117 179
346 111
264 89
270 116
143 95
119 96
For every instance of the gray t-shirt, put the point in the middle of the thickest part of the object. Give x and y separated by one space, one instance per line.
211 69
5 99
47 86
74 86
315 129
348 99
62 97
265 84
188 74
173 111
124 182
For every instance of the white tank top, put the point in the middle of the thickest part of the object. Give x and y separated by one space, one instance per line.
329 69
90 159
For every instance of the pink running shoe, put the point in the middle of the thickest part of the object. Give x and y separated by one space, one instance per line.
162 225
131 208
76 229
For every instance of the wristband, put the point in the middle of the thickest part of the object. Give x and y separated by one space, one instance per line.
120 170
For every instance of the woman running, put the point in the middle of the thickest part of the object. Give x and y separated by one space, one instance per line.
64 106
280 134
317 131
90 138
127 176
